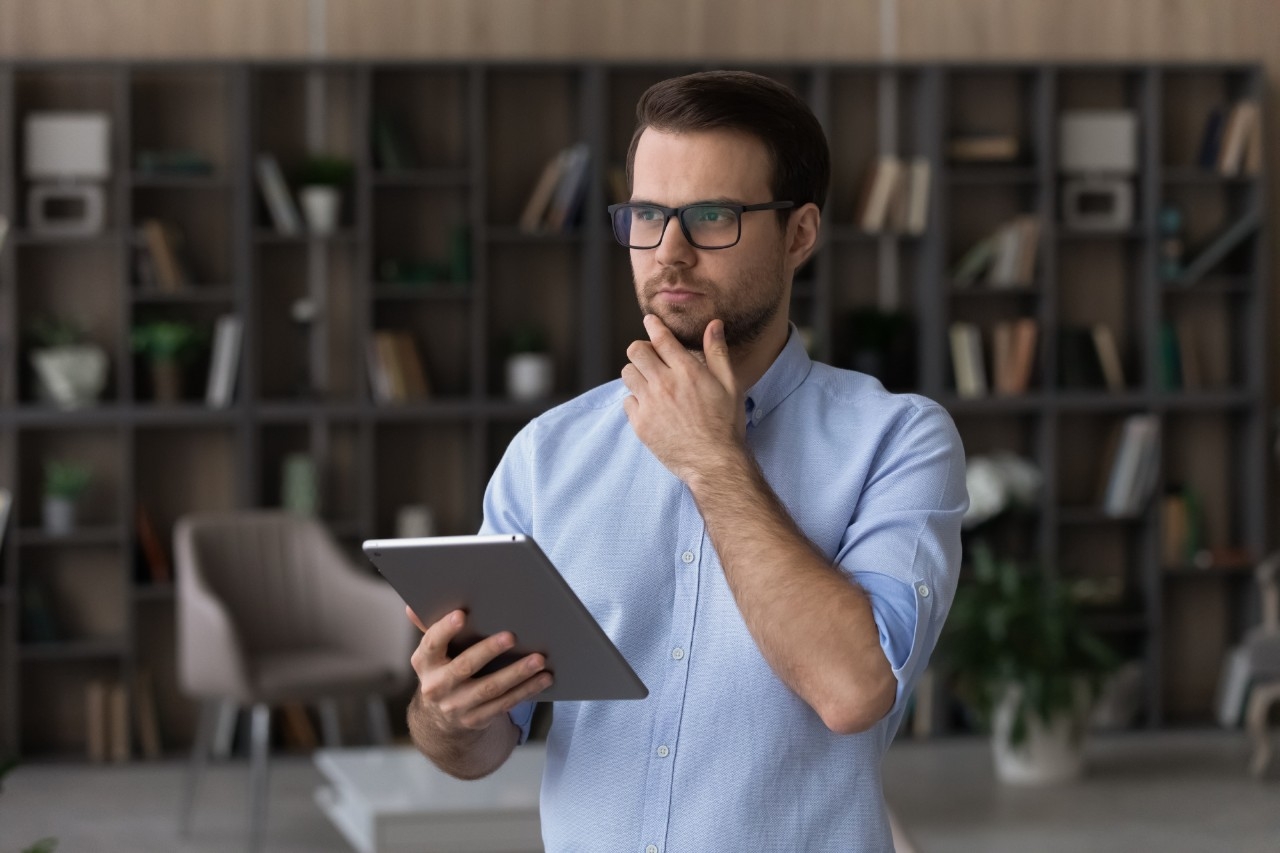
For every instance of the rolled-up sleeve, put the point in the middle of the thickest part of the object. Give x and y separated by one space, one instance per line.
902 546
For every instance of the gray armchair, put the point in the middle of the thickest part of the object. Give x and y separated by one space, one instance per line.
271 611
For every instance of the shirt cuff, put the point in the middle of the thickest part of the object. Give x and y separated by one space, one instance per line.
895 606
522 716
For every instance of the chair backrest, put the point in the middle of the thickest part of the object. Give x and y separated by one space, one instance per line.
268 568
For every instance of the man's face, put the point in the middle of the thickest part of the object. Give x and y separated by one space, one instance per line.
746 285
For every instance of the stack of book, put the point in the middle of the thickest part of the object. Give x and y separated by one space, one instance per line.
1013 355
396 372
160 259
894 196
556 199
1133 465
1004 258
1231 143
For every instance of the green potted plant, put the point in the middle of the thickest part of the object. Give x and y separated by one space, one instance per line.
530 370
1027 664
167 345
64 483
322 178
70 371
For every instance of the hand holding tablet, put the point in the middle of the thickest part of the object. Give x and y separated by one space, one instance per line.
505 583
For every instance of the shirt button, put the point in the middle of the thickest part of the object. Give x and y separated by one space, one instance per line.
652 848
678 654
663 752
923 590
687 556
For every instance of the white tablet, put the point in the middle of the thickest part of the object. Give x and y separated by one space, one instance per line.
506 583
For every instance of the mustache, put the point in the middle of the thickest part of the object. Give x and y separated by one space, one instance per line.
674 278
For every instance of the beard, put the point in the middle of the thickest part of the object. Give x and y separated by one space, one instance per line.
754 301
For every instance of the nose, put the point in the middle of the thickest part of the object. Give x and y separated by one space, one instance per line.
674 249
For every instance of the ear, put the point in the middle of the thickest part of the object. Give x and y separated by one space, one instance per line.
802 234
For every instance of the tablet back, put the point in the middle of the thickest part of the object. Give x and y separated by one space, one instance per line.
506 583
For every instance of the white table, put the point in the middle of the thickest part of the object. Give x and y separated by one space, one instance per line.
393 800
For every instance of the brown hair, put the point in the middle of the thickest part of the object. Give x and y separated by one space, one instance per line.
751 104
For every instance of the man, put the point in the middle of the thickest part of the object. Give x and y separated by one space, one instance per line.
772 543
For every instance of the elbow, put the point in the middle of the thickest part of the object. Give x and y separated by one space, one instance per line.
858 710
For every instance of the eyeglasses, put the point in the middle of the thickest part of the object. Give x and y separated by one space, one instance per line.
705 225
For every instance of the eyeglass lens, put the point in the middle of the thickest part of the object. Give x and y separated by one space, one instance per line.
707 225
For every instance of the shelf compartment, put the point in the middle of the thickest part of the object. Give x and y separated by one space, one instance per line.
82 536
72 650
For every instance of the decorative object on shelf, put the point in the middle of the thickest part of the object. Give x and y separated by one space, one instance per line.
224 362
1173 245
300 484
998 482
68 158
167 345
1098 151
415 521
323 178
1027 664
530 370
70 372
64 485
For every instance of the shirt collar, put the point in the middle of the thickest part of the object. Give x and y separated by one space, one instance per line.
786 373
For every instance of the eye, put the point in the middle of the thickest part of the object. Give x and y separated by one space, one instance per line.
646 214
712 215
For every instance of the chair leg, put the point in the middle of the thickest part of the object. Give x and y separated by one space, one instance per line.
1261 697
330 730
224 731
379 720
259 748
205 724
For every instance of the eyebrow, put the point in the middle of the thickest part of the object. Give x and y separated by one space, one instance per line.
720 200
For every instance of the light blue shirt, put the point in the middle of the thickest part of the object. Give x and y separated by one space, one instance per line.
722 755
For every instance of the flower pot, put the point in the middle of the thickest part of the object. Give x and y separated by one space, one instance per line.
530 375
166 381
1050 753
70 376
59 515
320 206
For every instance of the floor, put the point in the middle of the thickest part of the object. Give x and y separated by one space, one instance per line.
1179 791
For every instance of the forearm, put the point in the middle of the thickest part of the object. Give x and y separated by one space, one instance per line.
465 754
813 625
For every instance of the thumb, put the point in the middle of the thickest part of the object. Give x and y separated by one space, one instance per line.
716 350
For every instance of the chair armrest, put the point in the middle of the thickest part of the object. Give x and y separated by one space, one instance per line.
210 655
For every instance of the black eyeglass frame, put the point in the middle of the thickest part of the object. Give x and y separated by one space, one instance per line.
678 213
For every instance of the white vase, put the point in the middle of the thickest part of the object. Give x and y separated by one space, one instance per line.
530 375
1050 753
70 376
59 515
320 205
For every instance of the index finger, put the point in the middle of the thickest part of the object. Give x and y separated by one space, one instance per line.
665 344
435 642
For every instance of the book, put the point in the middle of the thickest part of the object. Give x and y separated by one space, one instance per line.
6 504
1241 124
275 192
1025 334
1210 140
919 181
881 180
146 716
415 377
1169 367
95 720
4 231
390 364
223 364
162 245
534 214
119 746
1104 343
974 262
1175 530
570 189
155 557
1134 466
966 360
983 148
379 380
